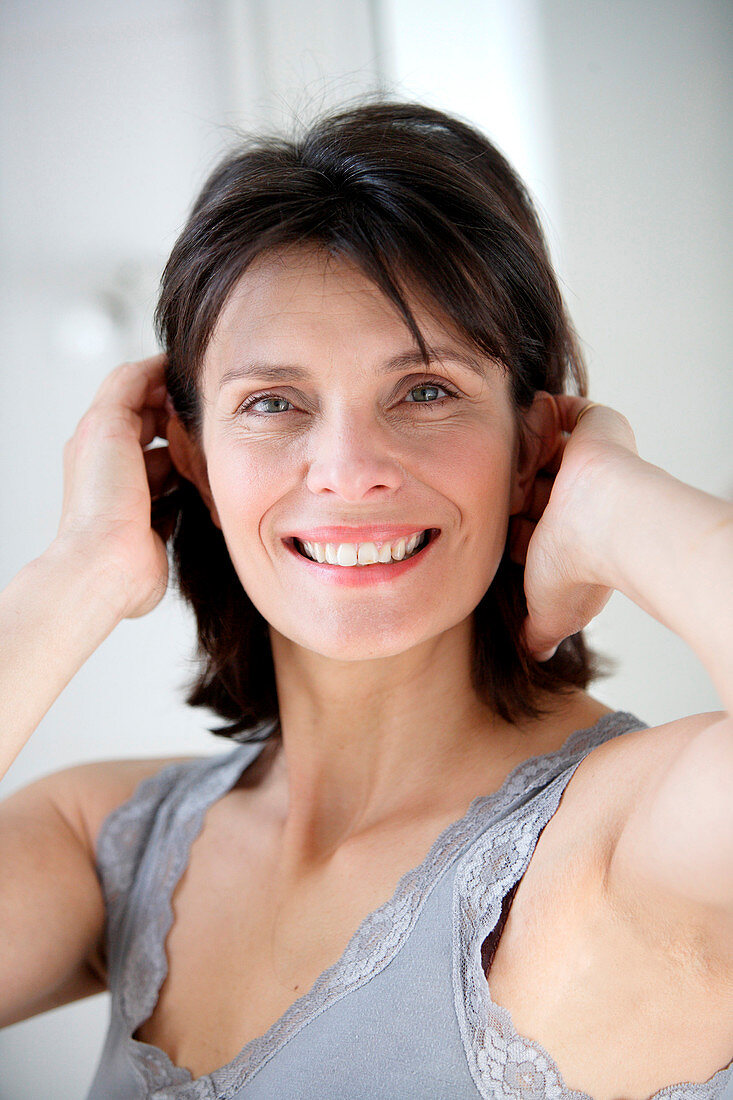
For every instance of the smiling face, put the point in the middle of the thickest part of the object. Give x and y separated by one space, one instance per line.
353 435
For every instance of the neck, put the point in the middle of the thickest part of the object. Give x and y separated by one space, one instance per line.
364 742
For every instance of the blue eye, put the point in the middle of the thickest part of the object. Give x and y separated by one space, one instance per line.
429 384
258 398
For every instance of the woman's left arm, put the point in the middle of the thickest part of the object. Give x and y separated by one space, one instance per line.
601 518
610 520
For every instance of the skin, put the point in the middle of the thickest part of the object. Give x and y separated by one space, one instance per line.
374 686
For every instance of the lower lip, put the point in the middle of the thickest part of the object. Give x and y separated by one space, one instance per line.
355 576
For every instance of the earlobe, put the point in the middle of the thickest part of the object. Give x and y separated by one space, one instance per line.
188 459
541 430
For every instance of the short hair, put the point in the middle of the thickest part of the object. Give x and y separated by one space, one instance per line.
417 199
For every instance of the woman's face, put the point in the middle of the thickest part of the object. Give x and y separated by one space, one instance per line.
347 435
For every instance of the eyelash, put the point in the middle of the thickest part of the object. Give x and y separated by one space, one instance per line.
428 382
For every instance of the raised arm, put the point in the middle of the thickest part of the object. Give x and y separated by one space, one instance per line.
601 519
106 562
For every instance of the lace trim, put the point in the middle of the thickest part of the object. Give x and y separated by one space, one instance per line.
502 1062
374 944
121 844
124 834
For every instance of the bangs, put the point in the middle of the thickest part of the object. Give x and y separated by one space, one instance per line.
391 208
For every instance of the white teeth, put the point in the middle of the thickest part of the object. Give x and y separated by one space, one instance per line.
366 553
398 549
346 554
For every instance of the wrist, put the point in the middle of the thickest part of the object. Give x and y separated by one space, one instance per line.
605 524
93 582
641 514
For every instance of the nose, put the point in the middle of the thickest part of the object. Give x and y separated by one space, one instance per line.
352 459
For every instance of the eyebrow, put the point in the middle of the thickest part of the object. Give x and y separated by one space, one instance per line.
278 372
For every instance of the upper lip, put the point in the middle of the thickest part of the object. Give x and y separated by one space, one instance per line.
384 532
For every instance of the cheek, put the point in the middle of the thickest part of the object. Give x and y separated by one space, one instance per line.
475 469
479 475
243 487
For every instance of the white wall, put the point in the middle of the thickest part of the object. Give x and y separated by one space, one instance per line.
616 113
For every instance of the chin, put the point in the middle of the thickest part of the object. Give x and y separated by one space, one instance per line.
350 645
372 638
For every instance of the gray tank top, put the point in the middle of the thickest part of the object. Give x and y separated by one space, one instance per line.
406 1012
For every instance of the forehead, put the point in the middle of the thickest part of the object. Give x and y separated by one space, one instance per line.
303 300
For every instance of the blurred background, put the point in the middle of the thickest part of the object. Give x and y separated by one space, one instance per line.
617 114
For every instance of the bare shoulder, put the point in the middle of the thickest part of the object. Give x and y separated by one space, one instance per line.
85 794
627 772
52 910
633 761
624 772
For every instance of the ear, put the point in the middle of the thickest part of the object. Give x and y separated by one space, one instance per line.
540 431
188 458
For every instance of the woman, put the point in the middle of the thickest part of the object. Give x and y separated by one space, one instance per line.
435 865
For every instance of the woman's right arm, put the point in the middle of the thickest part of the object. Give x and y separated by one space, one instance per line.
106 563
53 615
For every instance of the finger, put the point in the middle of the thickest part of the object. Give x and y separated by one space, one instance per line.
601 421
159 402
156 422
570 407
131 383
157 394
540 646
148 426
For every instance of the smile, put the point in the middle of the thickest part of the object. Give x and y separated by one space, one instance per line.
347 554
340 562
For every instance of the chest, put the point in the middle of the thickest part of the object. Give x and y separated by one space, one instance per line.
247 942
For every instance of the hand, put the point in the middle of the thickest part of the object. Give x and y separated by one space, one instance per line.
109 479
559 536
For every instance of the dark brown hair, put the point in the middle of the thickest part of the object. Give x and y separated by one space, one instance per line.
417 199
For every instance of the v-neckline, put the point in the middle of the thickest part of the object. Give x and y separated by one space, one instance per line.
377 939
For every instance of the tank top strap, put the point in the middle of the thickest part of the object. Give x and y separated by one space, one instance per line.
488 874
143 846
